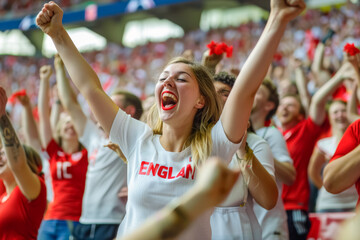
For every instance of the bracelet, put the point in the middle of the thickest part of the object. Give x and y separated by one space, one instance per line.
248 156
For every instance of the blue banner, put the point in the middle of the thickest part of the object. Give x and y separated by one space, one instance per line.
92 12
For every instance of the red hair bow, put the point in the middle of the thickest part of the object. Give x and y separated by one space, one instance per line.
13 97
351 49
220 48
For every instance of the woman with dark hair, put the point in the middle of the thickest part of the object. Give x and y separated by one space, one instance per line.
23 204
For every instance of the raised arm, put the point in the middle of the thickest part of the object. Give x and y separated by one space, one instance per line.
255 68
43 106
317 67
31 133
56 108
301 83
68 97
27 181
211 187
85 79
317 106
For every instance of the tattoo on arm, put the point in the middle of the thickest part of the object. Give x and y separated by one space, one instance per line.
9 137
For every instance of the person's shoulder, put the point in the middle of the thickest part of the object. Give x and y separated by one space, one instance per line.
254 139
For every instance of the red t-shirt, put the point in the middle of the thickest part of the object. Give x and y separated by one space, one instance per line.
68 173
349 141
2 187
20 218
300 141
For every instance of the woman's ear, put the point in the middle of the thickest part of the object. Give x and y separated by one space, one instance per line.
200 102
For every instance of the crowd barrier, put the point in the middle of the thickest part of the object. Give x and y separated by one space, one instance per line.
324 226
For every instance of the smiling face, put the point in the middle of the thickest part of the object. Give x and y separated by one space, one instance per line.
65 127
337 116
177 94
289 111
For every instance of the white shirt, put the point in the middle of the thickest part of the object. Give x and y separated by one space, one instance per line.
156 176
232 219
325 200
105 176
274 220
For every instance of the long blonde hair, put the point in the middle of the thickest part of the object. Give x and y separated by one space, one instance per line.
205 118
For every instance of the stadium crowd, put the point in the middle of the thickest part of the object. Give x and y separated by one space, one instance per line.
285 122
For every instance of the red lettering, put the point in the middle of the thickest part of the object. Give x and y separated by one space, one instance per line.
170 173
142 168
181 173
152 169
162 173
189 170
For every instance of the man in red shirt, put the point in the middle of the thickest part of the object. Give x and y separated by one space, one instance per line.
301 135
343 170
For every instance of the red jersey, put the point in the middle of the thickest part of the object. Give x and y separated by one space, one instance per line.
20 218
2 187
68 173
300 141
349 141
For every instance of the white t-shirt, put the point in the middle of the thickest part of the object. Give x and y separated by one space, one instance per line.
233 220
274 221
105 176
325 200
156 176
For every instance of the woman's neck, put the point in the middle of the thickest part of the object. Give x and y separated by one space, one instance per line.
174 138
9 184
70 146
337 133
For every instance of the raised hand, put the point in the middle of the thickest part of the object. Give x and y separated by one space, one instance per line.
211 61
24 100
45 72
49 19
3 101
287 10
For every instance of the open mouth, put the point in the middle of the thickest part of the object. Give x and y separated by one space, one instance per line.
168 100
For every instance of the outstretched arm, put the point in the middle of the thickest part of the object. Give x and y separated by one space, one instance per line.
85 79
68 97
301 83
342 173
31 133
27 181
56 108
211 188
317 106
43 106
317 67
255 68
